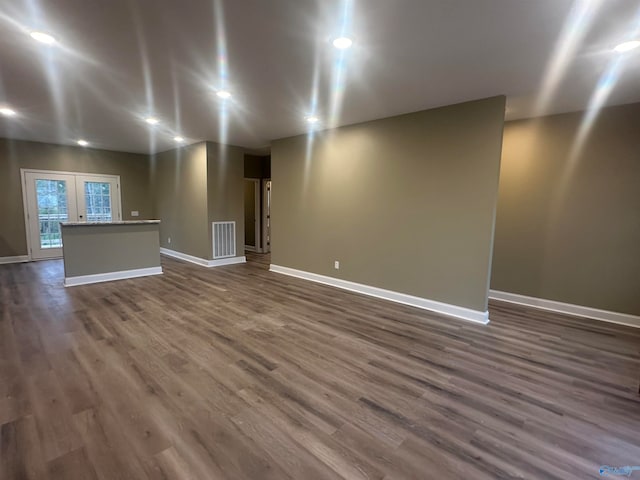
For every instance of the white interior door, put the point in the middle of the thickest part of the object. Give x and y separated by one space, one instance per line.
51 199
54 197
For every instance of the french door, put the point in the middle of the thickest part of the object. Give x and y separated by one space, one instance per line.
53 197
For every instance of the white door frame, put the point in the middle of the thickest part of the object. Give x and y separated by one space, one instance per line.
266 217
25 207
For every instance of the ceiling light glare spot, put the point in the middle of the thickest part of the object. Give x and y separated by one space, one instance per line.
7 112
626 46
152 120
82 143
311 119
224 94
43 37
178 139
342 43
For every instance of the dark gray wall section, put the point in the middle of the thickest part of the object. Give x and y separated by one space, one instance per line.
257 166
90 250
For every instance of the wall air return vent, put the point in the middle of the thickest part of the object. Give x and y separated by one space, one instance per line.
224 239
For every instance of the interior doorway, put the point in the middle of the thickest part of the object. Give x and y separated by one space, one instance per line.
252 217
52 197
257 207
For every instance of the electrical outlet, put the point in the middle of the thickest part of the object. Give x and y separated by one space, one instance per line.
135 213
169 240
336 265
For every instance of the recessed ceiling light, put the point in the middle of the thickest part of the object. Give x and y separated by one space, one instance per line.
626 46
82 143
152 120
342 43
224 94
311 119
179 139
43 37
7 112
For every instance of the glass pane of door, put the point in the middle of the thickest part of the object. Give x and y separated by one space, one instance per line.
53 208
97 197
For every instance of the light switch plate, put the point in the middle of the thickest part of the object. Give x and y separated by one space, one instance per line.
135 213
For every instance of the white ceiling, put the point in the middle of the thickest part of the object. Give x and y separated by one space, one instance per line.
118 60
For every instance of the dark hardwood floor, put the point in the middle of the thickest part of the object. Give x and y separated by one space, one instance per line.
236 372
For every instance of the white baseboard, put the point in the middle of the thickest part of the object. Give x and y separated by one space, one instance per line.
226 261
202 261
567 308
183 256
108 277
16 259
424 303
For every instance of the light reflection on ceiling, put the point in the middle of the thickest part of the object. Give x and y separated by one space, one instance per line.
245 72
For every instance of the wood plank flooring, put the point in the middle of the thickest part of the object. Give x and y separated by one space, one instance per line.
239 373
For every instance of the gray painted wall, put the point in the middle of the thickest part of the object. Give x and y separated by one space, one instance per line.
90 250
404 203
570 230
16 154
194 186
180 192
225 180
